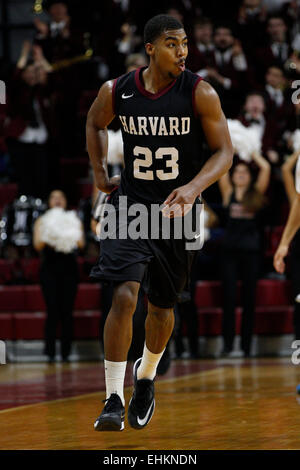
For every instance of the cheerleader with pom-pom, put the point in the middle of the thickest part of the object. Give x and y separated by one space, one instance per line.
57 234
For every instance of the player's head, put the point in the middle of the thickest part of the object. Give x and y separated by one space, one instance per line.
57 198
166 44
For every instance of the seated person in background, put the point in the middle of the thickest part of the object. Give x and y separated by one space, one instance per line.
253 115
227 70
278 49
201 46
27 124
251 24
279 106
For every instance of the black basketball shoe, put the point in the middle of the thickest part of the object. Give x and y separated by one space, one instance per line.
112 416
142 403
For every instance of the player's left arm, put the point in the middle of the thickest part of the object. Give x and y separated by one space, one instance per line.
215 129
293 224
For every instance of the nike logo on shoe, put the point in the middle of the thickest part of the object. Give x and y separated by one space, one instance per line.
127 96
143 421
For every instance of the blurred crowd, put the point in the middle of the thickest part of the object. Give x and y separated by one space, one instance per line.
249 50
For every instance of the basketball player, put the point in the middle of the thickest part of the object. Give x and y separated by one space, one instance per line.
292 225
164 111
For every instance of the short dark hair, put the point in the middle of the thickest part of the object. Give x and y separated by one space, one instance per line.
157 25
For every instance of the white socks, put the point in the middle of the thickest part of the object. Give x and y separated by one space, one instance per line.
115 372
147 368
114 378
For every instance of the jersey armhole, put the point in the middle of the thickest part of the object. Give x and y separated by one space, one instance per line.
193 95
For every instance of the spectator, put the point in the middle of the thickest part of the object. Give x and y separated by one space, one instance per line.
227 70
201 47
59 274
64 47
251 24
27 125
242 195
59 39
278 49
253 115
279 106
135 61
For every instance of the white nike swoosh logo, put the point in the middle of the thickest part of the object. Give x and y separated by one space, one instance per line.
143 421
197 236
126 96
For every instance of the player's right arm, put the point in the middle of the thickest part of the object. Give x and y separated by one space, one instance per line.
99 117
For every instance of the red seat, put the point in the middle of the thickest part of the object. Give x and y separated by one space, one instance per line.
208 294
88 297
274 320
6 271
29 325
6 326
268 292
209 321
11 298
31 268
33 299
86 324
273 292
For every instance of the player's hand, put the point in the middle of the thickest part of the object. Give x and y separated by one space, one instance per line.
279 256
115 180
108 185
180 201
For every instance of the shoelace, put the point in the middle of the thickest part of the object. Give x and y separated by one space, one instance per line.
112 402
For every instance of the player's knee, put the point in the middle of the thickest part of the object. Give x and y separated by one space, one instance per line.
162 315
124 300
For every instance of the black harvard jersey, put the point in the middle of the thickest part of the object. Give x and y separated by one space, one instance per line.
162 135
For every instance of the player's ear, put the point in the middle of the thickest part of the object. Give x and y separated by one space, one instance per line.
149 48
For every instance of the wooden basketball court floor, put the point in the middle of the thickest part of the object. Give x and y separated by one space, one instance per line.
204 404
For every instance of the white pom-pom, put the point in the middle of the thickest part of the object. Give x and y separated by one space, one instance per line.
296 140
60 229
115 148
245 140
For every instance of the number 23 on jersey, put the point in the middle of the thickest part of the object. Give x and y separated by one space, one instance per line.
147 161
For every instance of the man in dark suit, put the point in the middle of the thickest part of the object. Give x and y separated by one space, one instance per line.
227 70
277 51
201 47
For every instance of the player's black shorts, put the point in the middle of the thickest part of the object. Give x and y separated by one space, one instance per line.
161 265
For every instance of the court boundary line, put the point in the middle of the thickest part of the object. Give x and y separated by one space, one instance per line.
85 395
